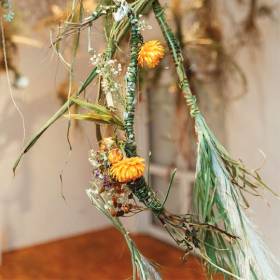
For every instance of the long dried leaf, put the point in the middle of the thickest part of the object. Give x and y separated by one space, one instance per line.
94 117
99 110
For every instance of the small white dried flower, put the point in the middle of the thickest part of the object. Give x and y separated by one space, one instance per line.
107 70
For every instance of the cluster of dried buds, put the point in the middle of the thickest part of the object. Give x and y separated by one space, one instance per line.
112 171
108 70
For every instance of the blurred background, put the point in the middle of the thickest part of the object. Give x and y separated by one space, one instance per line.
232 57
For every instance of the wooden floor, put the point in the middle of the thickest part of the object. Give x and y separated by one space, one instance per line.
98 255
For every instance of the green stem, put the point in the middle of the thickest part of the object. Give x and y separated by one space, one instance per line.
176 52
140 188
131 85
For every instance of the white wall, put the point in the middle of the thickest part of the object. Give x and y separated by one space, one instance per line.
253 124
32 209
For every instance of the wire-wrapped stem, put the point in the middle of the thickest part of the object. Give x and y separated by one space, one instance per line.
146 195
131 78
141 190
176 52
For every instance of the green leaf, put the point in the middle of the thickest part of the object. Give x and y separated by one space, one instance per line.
91 106
99 110
96 117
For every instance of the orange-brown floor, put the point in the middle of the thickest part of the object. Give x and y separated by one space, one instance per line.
100 255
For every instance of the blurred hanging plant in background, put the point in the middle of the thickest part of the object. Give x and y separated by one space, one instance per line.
7 10
218 230
9 44
59 14
11 52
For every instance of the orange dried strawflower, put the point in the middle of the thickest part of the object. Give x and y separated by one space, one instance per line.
128 170
151 54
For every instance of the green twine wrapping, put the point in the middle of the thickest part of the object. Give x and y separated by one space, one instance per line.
140 188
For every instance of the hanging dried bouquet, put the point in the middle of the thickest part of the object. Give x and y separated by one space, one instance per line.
218 229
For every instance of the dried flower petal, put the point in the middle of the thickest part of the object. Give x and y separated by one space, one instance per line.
115 156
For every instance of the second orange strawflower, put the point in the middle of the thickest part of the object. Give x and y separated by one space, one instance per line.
128 170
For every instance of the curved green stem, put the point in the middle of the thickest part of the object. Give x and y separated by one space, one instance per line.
176 52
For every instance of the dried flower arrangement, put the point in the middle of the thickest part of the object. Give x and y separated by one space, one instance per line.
218 230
